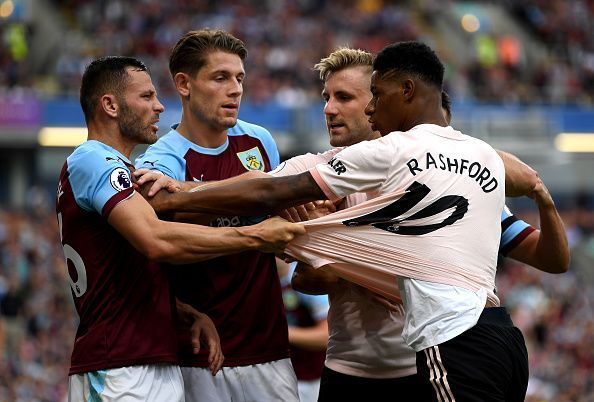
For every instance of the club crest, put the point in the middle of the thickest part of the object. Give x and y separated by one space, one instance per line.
120 179
252 159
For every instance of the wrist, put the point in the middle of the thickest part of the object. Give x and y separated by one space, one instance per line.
250 237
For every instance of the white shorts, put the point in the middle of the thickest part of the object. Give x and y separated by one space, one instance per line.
155 383
266 382
309 390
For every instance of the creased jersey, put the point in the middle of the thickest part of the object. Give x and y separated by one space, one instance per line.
241 292
435 223
122 299
365 338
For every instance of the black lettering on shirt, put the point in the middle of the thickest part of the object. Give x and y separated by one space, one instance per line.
337 166
431 161
413 165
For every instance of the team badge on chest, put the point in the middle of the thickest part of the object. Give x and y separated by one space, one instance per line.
251 159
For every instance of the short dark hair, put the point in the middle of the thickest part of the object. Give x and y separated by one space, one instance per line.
190 52
446 103
105 75
414 58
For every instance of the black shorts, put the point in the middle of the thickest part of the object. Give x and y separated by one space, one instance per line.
340 387
488 362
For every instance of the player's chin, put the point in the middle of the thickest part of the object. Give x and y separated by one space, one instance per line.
339 140
229 121
151 136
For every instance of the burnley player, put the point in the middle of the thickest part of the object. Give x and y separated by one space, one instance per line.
241 292
125 343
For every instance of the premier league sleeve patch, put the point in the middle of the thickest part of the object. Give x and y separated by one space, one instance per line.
120 179
252 159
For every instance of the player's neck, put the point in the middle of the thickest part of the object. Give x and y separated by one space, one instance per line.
428 111
112 138
201 133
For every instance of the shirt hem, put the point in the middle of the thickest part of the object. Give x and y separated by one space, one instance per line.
79 369
370 372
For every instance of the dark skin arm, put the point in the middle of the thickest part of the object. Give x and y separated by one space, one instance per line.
250 197
307 279
546 249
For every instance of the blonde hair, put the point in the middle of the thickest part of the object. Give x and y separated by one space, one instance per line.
341 59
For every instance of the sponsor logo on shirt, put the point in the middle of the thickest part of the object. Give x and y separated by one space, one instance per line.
120 179
251 159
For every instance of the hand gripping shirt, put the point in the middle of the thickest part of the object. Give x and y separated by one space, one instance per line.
435 224
120 296
241 292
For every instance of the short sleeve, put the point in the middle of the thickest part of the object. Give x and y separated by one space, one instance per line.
270 147
99 182
159 157
513 231
301 163
359 168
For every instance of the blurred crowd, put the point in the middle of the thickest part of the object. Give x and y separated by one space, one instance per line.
286 37
37 317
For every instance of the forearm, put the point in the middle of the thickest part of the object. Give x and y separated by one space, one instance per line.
309 280
246 197
546 249
552 248
186 313
179 243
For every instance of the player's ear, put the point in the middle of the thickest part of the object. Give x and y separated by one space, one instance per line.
109 105
408 89
182 83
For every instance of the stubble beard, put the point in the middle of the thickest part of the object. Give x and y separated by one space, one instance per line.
133 128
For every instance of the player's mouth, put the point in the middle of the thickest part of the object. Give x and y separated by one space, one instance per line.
154 125
231 106
333 127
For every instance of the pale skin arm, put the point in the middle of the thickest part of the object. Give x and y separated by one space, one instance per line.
545 249
180 243
520 179
204 333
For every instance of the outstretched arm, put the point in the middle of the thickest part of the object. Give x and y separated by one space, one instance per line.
180 243
545 249
245 197
520 179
